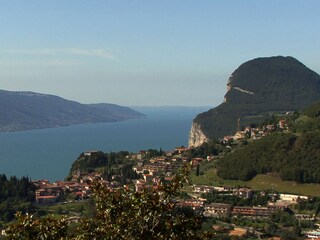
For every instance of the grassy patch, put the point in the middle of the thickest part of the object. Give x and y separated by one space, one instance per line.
260 182
69 209
269 182
209 178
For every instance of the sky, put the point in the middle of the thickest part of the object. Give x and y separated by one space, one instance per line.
148 52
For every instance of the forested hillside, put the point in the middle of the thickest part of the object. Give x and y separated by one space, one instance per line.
15 195
293 154
110 164
29 110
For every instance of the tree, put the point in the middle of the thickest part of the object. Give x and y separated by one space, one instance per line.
198 170
37 229
123 214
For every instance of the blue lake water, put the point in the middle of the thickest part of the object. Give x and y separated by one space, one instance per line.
49 153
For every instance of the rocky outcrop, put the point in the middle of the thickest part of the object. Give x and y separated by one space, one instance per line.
197 137
256 90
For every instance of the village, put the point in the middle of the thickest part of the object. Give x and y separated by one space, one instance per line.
162 168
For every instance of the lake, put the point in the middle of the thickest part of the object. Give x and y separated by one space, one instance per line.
49 153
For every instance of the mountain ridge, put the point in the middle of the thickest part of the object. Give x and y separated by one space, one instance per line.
25 110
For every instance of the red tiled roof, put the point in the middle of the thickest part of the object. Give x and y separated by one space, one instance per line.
45 197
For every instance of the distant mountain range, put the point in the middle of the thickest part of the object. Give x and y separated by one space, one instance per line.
29 110
256 90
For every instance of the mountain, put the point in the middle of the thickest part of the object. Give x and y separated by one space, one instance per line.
29 110
256 90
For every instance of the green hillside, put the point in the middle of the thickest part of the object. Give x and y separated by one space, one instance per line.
293 154
259 182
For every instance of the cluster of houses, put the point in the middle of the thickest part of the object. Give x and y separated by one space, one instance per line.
256 133
278 202
48 193
162 168
220 210
77 189
152 171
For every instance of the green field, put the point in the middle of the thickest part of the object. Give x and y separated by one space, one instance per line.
260 182
67 209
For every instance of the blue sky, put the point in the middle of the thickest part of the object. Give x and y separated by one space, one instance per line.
148 52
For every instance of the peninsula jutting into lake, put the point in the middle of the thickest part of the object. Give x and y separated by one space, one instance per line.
29 110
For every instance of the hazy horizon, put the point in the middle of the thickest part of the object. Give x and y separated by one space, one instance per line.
147 53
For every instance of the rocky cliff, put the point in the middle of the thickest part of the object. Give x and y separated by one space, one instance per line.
197 137
256 90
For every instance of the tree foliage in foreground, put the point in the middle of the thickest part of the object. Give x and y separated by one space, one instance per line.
121 214
27 227
16 194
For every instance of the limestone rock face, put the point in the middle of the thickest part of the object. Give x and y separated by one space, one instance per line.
197 137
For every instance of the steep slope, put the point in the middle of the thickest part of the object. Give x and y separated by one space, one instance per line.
293 154
28 110
256 90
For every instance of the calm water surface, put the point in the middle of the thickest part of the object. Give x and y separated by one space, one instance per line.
49 153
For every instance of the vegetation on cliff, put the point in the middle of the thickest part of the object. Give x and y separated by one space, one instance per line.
258 89
293 154
110 164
